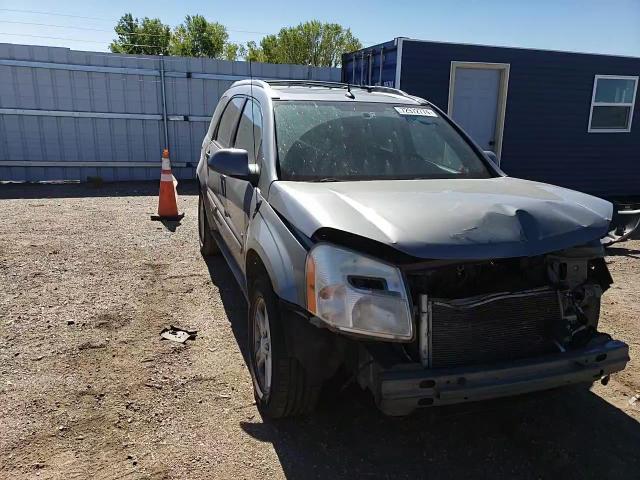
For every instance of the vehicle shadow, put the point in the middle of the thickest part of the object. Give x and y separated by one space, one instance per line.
620 251
564 433
235 305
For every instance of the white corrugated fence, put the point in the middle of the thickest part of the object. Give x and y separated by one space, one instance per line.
70 115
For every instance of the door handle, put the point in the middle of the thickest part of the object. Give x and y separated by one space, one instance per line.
223 190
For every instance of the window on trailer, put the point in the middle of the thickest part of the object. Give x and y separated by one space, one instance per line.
612 104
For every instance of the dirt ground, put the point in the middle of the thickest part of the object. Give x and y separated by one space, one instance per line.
88 389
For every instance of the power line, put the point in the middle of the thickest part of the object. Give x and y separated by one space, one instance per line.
112 31
104 19
38 12
80 28
92 18
149 57
77 39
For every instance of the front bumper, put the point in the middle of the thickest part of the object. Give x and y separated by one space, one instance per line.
401 389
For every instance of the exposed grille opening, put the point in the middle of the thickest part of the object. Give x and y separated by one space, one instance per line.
494 311
492 329
463 280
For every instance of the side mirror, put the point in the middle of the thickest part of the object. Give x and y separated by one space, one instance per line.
234 162
492 156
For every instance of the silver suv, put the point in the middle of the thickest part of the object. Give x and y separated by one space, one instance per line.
372 236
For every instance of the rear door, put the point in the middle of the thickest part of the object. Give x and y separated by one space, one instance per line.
240 193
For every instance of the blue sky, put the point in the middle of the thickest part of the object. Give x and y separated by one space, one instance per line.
598 26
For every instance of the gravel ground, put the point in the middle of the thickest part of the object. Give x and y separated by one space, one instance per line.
88 389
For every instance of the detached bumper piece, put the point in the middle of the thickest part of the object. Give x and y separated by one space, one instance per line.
402 389
626 220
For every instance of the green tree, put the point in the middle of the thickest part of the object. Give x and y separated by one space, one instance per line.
254 53
310 43
197 37
233 51
148 36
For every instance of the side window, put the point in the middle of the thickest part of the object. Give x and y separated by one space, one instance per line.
249 135
228 121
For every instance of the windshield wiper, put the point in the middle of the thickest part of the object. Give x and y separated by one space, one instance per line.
328 179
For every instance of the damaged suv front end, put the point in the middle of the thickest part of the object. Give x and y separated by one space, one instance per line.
456 289
372 235
496 328
435 332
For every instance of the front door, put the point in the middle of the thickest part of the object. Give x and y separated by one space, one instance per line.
475 104
216 182
223 138
239 194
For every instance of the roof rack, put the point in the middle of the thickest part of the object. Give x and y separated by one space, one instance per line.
249 81
321 83
327 84
309 83
368 88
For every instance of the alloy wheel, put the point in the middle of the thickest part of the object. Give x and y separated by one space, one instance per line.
262 348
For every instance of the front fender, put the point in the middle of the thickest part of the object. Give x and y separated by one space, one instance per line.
281 253
201 174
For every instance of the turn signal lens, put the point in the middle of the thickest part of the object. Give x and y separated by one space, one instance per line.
311 284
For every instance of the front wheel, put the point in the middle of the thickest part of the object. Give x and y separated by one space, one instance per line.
281 385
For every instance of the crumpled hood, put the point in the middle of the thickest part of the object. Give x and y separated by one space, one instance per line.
448 219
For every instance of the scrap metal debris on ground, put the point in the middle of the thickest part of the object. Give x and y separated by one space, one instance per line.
177 334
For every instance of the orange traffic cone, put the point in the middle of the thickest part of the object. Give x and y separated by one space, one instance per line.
168 201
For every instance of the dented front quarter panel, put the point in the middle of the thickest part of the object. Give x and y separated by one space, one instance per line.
282 255
448 219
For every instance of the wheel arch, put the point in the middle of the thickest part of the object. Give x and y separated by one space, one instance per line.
254 268
304 341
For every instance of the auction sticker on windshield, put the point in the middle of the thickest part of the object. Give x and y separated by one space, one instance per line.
421 112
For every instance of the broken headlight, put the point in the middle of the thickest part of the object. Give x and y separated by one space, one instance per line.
357 294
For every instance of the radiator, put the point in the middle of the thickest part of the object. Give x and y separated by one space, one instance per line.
488 329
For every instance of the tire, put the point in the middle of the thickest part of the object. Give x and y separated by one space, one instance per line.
208 245
288 392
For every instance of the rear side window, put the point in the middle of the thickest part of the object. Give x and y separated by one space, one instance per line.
229 121
249 135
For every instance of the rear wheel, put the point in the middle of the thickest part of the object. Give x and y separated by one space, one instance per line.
282 387
208 245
